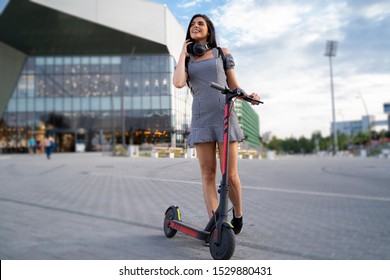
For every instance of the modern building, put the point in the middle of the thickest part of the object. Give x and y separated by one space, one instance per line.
250 124
350 128
386 109
365 125
90 73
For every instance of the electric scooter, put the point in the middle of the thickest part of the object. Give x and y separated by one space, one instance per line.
218 232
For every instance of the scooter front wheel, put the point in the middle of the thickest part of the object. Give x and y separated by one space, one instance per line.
223 250
172 213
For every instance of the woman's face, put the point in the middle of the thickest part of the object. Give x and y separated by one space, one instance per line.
199 30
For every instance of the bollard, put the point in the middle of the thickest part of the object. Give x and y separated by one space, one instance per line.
191 153
133 151
270 154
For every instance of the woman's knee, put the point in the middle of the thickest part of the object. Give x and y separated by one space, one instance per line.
208 174
234 179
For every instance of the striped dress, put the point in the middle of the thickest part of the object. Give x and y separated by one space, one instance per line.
208 103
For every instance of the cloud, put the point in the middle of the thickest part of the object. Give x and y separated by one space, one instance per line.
191 4
377 11
247 22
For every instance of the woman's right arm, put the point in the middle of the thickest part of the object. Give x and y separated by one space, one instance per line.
180 75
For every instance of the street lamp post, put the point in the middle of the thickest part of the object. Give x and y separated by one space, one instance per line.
331 47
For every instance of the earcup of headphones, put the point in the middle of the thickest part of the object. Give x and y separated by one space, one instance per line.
198 49
189 48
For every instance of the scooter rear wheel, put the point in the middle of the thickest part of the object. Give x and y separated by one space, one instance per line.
224 250
170 214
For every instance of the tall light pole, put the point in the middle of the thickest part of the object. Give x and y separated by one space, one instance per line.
331 48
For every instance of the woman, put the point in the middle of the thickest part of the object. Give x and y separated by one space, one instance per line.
198 66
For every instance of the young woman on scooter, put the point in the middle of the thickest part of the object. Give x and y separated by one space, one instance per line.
198 64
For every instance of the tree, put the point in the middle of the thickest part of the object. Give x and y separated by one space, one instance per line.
306 146
361 139
275 144
343 141
290 146
323 143
317 142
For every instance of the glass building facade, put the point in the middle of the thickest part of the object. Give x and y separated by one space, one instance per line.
96 100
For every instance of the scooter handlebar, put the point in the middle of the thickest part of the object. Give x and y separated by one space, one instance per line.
241 94
249 99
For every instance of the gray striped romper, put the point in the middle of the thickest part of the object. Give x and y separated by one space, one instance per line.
208 103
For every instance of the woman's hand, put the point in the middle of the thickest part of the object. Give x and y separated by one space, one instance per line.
185 45
256 97
180 75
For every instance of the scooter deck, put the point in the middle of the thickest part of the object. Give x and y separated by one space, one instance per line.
189 230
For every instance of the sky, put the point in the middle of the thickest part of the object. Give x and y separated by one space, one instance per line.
279 49
2 4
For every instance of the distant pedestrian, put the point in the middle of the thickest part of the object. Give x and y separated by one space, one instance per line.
31 145
38 147
48 142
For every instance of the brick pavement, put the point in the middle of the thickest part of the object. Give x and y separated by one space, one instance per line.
90 206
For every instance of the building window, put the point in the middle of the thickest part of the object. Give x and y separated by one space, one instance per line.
88 94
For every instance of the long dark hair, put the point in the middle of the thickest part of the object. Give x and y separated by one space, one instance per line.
211 39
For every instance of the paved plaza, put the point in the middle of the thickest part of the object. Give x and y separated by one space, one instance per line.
94 206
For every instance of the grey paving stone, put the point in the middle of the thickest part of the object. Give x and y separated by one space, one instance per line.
90 206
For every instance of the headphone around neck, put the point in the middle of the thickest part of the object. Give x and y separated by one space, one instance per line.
198 49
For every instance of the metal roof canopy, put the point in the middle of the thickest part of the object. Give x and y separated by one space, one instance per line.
38 30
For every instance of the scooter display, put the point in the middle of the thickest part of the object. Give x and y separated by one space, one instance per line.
218 232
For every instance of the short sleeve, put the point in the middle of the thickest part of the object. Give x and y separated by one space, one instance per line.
229 61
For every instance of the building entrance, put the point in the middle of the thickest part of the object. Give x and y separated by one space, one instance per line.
65 142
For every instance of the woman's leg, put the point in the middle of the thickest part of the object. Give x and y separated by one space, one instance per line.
207 160
233 178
